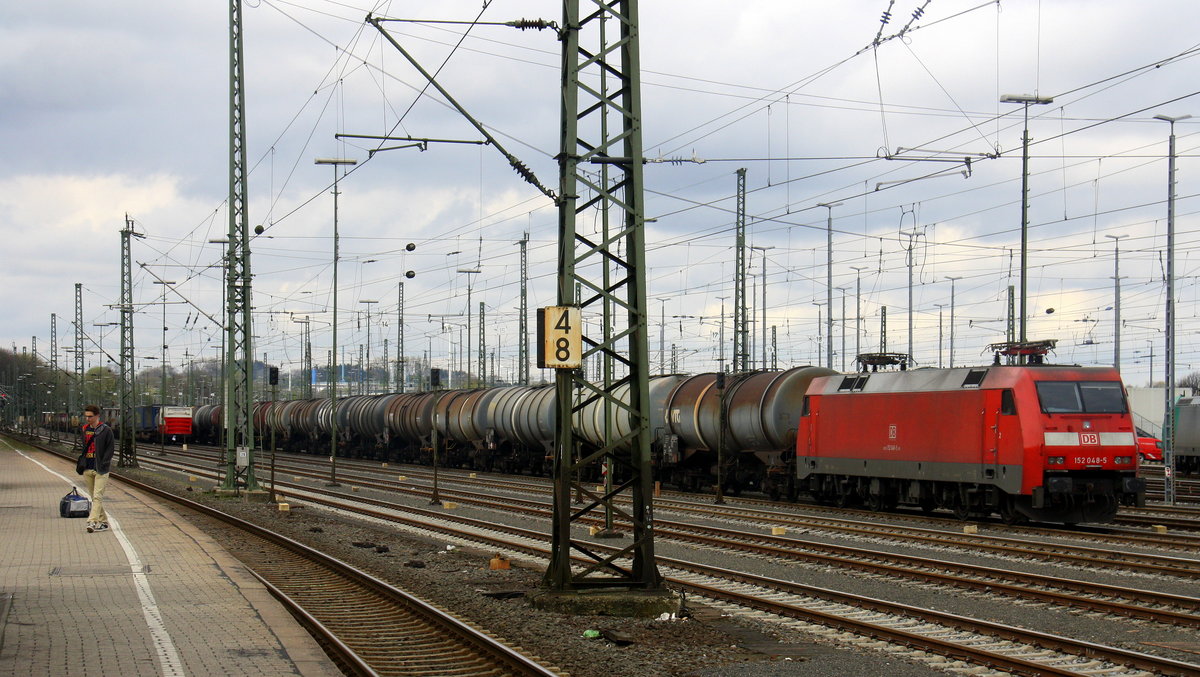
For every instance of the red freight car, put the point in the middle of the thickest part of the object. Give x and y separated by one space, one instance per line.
1049 443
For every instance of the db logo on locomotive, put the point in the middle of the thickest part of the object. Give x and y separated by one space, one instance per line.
1089 439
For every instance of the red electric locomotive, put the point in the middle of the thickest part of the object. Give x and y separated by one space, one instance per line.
1051 443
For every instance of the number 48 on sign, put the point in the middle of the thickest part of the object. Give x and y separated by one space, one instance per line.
560 338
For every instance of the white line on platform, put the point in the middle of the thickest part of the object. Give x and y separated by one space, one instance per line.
168 656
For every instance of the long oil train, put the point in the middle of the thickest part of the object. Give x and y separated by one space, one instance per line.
1051 443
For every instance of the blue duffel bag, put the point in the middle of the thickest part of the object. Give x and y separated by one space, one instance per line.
74 505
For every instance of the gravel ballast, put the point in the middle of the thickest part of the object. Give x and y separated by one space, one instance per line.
457 578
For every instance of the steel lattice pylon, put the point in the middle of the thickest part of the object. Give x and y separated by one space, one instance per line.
75 406
523 322
127 453
239 356
741 324
609 267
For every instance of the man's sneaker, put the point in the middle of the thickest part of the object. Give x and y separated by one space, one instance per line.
103 526
91 526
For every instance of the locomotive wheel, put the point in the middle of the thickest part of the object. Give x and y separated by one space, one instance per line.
1009 513
876 503
928 505
961 510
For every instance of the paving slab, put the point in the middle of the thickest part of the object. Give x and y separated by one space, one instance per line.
153 595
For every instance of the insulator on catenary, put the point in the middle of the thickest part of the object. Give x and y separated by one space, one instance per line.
532 24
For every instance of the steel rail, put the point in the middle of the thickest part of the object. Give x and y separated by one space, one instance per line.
490 651
1067 645
905 566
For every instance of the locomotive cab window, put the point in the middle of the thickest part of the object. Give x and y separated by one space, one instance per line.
1008 404
1087 397
1103 397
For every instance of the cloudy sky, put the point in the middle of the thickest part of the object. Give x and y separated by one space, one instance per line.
121 109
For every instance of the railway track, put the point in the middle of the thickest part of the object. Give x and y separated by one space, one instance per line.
373 474
894 627
367 626
1187 489
976 641
1075 555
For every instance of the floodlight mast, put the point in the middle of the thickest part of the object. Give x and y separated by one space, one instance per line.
335 162
1168 432
829 279
1026 100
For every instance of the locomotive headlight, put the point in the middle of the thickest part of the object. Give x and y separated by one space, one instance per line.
1123 460
1056 460
1087 425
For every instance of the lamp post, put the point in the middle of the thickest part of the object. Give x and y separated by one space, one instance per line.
842 320
829 279
721 337
1025 100
162 370
307 351
1169 358
662 336
467 370
370 391
100 345
911 235
333 439
1116 299
952 280
818 304
764 302
857 310
940 306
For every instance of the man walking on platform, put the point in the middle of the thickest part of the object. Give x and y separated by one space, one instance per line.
98 446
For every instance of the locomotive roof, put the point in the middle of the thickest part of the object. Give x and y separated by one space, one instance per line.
958 378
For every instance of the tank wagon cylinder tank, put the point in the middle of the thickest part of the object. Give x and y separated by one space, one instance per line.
401 416
377 415
534 417
271 417
762 409
363 417
202 421
417 417
259 417
282 417
504 407
453 418
590 424
303 419
487 410
344 405
216 423
322 417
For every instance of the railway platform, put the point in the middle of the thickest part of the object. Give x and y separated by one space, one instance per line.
153 595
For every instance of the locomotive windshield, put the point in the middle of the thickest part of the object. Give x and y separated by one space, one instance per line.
1081 397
